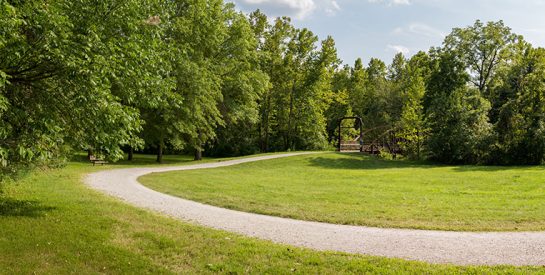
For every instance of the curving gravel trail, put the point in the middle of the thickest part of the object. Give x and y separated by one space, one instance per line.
461 248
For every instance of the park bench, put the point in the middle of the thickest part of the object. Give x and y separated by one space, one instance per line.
96 160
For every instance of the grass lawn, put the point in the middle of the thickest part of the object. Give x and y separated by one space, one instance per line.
51 223
362 190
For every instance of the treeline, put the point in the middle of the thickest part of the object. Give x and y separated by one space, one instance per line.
194 75
478 99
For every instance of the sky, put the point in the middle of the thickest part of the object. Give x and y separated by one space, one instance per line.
382 28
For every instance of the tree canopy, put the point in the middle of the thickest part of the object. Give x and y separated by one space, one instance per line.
197 75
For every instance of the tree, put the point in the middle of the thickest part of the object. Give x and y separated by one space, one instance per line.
273 51
298 61
412 131
358 88
196 74
243 84
520 123
482 47
316 97
397 68
376 107
455 114
62 79
340 104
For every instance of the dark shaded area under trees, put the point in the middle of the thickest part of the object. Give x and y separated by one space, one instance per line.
198 76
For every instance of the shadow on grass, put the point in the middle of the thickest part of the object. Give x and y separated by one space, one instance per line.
478 168
140 160
22 208
359 161
365 162
143 160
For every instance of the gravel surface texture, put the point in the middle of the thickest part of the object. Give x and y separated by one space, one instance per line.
460 248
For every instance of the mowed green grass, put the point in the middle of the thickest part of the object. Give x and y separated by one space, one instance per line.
362 190
50 223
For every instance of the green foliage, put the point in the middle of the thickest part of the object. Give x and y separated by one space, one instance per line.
412 130
349 131
520 123
212 53
339 105
386 155
482 47
198 75
292 110
242 87
456 115
71 73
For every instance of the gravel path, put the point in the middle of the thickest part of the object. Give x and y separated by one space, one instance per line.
461 248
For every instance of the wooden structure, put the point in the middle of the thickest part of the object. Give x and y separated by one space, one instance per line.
384 139
351 145
387 141
96 160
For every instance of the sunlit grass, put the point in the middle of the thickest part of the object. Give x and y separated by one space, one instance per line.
50 223
362 190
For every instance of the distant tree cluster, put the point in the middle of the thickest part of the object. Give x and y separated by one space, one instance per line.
193 75
478 99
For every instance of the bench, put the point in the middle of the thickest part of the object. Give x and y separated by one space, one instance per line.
96 161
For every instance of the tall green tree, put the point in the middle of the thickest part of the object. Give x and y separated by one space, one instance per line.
212 53
481 47
358 89
273 50
62 67
376 109
340 103
243 84
520 121
411 129
316 97
298 60
456 115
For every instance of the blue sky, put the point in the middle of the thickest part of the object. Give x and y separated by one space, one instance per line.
381 28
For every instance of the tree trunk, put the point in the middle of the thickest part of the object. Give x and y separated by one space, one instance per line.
417 145
198 154
264 134
160 153
89 153
265 145
287 143
198 150
131 154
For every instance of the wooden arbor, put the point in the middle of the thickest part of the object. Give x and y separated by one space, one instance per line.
351 145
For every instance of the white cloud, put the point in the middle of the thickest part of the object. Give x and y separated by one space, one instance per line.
299 9
420 29
398 49
392 2
331 7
